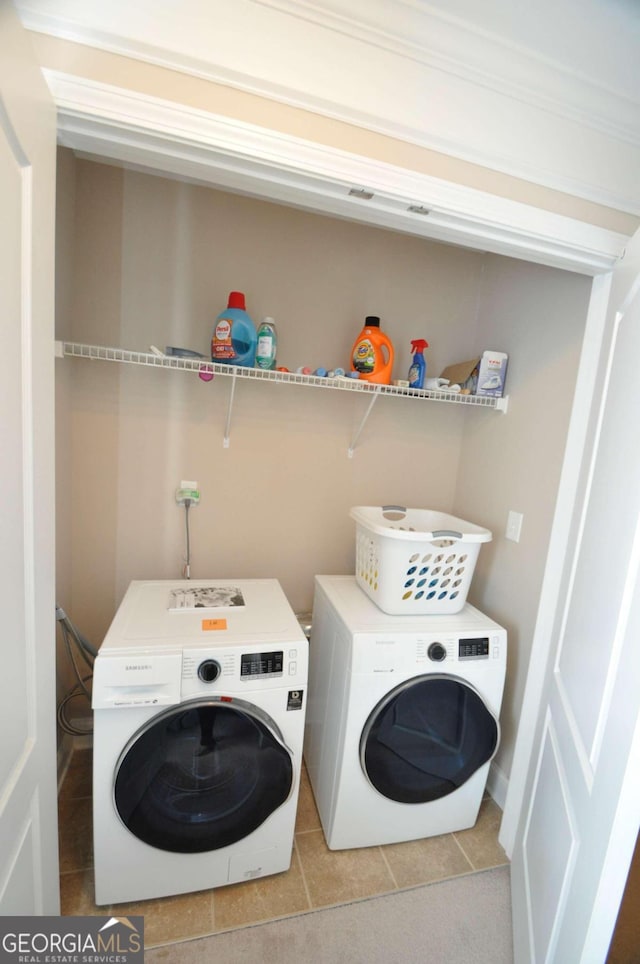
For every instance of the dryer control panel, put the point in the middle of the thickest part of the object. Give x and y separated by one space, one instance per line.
460 649
476 647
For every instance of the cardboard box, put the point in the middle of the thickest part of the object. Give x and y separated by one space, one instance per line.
463 374
492 374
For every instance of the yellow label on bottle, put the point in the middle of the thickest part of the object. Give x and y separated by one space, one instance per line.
364 357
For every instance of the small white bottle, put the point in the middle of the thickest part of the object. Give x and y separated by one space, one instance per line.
267 344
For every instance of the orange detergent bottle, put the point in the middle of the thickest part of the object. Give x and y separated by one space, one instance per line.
372 353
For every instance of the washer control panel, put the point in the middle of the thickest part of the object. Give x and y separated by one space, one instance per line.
261 665
476 648
232 670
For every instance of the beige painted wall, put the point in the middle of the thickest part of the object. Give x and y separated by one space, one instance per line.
538 317
153 262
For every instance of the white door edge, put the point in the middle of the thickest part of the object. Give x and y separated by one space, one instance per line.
560 534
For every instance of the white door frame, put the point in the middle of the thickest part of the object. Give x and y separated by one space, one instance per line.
29 882
150 134
541 652
593 778
147 133
161 136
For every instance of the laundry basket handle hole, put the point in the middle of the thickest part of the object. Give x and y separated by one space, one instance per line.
394 512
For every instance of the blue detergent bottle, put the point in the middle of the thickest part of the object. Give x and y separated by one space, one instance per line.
418 367
234 334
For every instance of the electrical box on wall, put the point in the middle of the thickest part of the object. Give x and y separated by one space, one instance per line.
514 526
187 492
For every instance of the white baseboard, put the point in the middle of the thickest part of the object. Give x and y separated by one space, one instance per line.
65 752
497 785
68 745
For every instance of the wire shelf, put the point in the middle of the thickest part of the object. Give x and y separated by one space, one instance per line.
342 384
235 372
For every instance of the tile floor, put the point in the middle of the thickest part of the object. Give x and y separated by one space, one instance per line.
318 877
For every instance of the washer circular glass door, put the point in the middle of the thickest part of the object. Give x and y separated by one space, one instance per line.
426 738
202 775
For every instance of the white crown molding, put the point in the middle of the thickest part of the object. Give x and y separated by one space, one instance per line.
152 134
529 119
456 47
427 36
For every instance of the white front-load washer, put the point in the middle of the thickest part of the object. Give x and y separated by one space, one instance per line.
199 697
402 717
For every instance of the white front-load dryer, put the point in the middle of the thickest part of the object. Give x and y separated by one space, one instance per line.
402 717
199 698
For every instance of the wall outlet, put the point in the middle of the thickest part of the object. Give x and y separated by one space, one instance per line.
514 526
187 491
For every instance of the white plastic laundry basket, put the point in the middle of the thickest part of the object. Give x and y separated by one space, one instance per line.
415 561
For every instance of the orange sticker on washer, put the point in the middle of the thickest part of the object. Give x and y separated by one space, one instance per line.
209 624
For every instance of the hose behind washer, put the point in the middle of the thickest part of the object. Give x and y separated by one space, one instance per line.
71 636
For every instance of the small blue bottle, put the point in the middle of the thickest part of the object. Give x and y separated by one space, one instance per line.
234 334
418 367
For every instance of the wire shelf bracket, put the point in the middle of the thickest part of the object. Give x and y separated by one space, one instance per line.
150 359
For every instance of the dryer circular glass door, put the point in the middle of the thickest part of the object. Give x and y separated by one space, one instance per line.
426 738
202 775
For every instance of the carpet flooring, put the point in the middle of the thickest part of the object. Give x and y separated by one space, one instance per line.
458 921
